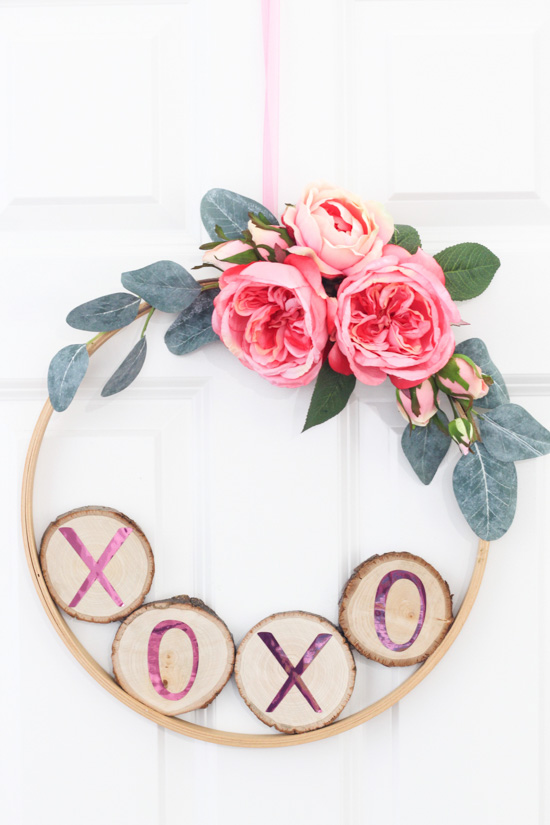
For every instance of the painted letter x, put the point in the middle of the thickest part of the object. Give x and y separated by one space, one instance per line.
294 673
96 567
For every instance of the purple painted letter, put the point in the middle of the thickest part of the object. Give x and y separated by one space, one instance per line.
294 673
380 608
96 568
153 658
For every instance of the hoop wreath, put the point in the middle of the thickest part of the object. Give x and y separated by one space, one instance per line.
331 293
175 724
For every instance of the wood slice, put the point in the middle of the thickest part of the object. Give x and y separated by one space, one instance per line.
396 609
295 671
174 655
97 564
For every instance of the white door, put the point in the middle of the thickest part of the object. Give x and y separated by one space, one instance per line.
115 118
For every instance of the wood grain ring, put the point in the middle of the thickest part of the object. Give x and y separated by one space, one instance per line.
205 734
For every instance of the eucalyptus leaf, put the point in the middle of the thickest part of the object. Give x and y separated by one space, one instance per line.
193 326
330 396
407 237
106 313
486 492
510 433
426 447
229 211
128 370
66 371
165 285
468 268
475 349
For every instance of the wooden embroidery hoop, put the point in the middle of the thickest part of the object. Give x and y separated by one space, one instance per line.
201 732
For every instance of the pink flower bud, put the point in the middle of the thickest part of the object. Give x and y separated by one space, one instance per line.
462 378
223 250
217 256
266 237
418 404
462 431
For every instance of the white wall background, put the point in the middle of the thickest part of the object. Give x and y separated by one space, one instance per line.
115 118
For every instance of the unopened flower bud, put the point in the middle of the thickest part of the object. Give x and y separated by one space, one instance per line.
226 249
266 237
461 378
418 404
462 431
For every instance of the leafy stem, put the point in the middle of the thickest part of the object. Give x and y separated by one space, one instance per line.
146 324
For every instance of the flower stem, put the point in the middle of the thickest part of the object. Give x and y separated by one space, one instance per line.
467 414
209 285
146 324
456 413
95 338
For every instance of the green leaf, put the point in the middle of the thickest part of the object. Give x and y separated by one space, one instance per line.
193 327
262 223
246 257
486 492
210 245
165 285
426 447
475 349
106 313
66 371
229 211
128 370
261 220
272 252
510 433
220 234
330 396
468 268
407 237
205 266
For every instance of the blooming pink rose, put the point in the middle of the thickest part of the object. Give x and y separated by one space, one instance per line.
461 378
338 230
226 249
418 405
274 318
394 319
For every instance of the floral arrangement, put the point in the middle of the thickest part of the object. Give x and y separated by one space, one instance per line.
334 292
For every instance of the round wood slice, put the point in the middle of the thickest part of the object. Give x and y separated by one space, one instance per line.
396 609
295 671
174 655
120 581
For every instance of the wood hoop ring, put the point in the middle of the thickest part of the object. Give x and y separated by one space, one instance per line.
205 734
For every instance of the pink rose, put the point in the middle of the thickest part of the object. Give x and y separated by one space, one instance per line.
274 318
226 249
394 319
461 378
418 405
338 230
